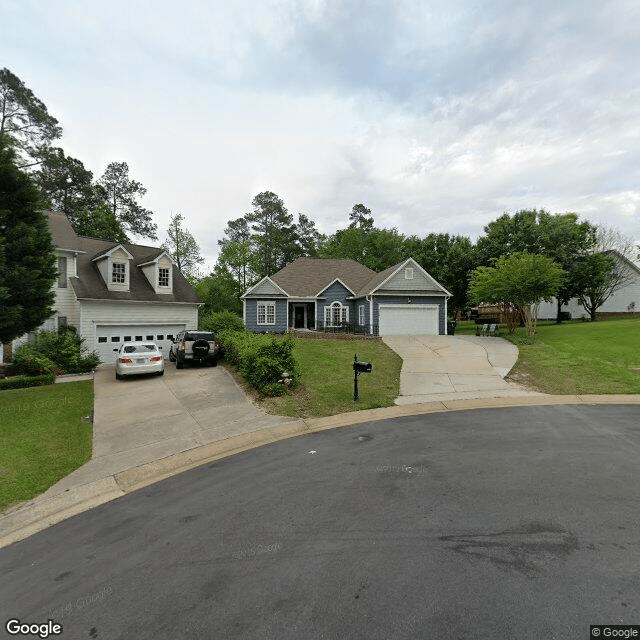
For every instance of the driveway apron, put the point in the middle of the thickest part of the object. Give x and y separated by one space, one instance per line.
437 368
142 419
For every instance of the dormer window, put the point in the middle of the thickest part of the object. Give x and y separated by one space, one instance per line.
408 273
163 277
118 272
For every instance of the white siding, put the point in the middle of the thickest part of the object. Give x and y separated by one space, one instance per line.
96 312
619 302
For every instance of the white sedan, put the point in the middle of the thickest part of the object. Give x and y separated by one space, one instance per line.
139 357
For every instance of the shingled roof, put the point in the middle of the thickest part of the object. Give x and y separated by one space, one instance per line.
307 277
89 283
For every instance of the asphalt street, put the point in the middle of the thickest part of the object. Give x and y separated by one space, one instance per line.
494 523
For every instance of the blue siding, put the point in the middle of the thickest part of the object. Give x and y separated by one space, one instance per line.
251 317
335 293
439 300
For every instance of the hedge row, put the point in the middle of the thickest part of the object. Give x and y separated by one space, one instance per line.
21 382
261 359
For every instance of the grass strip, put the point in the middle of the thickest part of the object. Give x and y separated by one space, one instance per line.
44 436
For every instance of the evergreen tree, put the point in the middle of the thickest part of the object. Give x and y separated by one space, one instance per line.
27 254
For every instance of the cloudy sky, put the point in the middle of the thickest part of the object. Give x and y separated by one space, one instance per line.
438 115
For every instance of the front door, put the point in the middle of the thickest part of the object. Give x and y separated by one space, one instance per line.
299 319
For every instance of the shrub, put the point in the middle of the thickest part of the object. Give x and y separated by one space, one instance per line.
261 359
21 382
232 344
219 321
266 358
28 361
66 349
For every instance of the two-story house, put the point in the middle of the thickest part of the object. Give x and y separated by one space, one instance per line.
114 292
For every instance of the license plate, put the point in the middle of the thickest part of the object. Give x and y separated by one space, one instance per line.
140 360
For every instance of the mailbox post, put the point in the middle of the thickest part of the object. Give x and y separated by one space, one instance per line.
358 368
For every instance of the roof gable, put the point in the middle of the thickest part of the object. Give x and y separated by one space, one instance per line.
266 287
154 258
110 250
394 279
339 281
307 277
89 283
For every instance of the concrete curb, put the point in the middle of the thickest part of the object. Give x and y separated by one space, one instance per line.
38 514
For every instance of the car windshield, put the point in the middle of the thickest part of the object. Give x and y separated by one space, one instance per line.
202 335
140 348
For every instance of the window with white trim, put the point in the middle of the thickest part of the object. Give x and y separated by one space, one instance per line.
361 315
266 313
118 272
408 273
163 277
336 314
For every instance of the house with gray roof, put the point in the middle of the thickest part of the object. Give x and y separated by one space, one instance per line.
117 292
319 294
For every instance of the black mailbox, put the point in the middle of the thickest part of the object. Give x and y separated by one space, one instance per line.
362 367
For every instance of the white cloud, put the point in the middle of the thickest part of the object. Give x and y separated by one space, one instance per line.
437 115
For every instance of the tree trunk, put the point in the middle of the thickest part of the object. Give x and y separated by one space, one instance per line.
559 311
7 352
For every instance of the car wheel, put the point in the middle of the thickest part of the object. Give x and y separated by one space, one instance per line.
118 376
161 373
172 358
214 362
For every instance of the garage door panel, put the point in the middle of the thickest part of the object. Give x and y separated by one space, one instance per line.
110 337
408 319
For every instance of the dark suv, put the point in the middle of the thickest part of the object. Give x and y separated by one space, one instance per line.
194 346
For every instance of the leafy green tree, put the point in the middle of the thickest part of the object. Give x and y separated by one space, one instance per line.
598 275
122 194
26 126
449 259
377 249
27 254
99 222
239 259
220 292
520 281
182 246
561 237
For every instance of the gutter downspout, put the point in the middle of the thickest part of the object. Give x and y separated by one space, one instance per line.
446 300
370 299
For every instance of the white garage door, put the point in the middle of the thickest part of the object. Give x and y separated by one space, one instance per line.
408 320
110 337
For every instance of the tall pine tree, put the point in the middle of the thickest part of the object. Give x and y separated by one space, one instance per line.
27 254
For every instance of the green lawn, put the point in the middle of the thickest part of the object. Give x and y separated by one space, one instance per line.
582 357
327 379
43 437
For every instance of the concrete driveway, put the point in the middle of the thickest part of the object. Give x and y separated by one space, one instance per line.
437 368
146 418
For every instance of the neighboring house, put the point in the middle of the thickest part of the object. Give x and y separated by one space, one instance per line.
625 300
315 293
115 292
